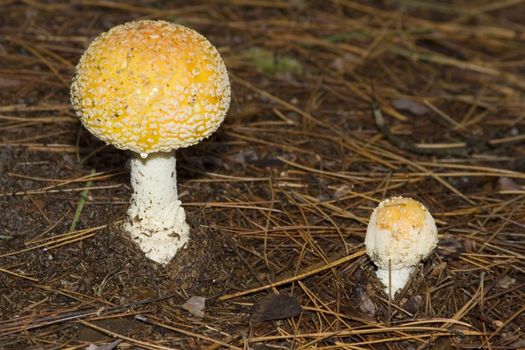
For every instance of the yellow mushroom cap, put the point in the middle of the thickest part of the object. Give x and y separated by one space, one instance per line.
400 233
150 86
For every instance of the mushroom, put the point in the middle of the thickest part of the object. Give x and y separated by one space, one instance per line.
401 232
152 87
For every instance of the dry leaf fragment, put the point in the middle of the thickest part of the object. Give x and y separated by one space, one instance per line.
109 346
342 191
366 305
195 305
6 82
274 307
520 344
507 184
410 105
506 282
497 323
413 304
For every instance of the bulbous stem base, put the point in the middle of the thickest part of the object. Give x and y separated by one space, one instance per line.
156 218
398 279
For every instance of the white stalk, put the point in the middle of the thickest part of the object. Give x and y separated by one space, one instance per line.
395 279
156 219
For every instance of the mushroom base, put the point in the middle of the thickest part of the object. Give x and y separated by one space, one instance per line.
159 246
156 219
398 278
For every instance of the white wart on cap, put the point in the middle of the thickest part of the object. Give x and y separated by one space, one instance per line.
401 232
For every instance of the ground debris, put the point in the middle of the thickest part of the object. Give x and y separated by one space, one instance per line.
195 305
335 106
414 107
109 346
506 282
274 307
508 184
366 305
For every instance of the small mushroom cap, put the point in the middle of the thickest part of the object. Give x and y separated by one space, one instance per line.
402 231
150 86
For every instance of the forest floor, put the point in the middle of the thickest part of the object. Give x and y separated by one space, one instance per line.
336 105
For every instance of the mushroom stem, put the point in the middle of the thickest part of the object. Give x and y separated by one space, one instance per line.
156 218
397 277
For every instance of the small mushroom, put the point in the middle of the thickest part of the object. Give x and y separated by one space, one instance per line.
152 87
401 232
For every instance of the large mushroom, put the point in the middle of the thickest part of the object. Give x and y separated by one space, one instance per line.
401 232
152 87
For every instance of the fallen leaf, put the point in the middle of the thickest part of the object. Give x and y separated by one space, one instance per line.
413 304
345 63
246 155
274 307
6 82
497 323
195 305
118 325
342 191
451 247
519 344
410 105
366 305
507 184
109 346
506 282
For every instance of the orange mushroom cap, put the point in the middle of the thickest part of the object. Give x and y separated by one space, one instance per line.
150 86
400 233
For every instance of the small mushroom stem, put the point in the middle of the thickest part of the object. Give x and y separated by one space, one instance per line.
398 278
156 218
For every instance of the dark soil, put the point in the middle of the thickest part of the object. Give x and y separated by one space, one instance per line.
336 106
